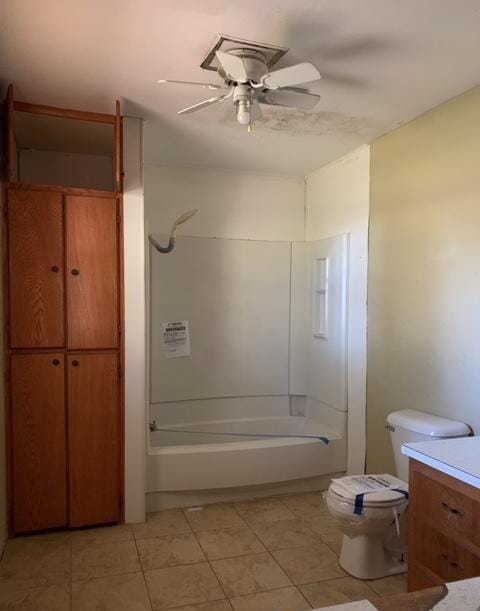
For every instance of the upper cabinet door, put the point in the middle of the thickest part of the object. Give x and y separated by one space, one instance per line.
36 285
92 272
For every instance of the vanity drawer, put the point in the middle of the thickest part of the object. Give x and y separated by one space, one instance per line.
442 555
453 512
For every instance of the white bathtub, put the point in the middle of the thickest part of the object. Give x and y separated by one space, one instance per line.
191 461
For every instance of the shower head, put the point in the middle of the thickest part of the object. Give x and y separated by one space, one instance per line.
182 219
171 242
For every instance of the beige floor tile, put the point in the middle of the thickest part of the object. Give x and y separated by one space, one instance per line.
218 605
32 562
337 591
51 598
213 517
229 543
114 593
285 599
183 585
108 534
323 525
308 505
172 550
389 586
264 510
168 522
249 574
286 533
104 559
334 541
309 564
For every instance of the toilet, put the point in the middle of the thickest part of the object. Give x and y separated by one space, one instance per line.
371 509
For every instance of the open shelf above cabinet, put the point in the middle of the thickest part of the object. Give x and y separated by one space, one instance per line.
56 146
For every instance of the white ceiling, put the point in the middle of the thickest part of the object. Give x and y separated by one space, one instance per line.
384 62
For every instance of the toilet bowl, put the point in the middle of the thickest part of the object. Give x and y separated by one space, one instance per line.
374 524
367 528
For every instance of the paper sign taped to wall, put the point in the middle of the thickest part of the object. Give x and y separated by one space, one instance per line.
176 339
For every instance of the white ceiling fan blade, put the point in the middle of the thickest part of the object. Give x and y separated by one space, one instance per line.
203 104
296 98
291 75
203 85
256 113
233 66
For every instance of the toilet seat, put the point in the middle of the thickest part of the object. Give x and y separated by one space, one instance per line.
383 499
342 488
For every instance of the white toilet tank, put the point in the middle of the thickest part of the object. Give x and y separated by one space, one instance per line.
409 425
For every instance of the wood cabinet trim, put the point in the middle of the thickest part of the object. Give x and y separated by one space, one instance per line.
65 113
12 152
66 190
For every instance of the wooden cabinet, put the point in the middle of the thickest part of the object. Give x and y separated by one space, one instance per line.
444 528
38 442
63 321
94 438
36 272
66 408
92 276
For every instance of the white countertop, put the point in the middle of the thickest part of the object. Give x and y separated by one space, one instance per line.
459 458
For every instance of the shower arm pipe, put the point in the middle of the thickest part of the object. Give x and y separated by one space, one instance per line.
171 241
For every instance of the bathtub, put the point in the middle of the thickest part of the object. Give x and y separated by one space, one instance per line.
191 461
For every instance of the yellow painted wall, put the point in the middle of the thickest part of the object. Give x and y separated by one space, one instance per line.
424 272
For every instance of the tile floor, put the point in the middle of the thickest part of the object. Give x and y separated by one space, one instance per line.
276 554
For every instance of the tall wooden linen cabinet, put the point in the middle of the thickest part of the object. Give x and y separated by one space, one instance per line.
64 342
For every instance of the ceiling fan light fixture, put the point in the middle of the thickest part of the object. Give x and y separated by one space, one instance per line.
248 80
243 112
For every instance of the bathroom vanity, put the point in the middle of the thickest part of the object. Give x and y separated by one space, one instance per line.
444 511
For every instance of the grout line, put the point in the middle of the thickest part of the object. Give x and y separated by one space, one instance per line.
143 574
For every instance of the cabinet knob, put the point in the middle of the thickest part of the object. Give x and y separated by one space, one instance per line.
75 272
55 269
55 362
75 363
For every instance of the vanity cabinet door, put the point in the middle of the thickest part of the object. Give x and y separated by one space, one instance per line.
36 272
443 555
456 513
444 516
39 477
94 438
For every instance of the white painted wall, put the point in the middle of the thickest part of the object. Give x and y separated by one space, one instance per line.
68 169
337 201
424 280
135 331
230 204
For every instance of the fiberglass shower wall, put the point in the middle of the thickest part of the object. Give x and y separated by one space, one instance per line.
253 310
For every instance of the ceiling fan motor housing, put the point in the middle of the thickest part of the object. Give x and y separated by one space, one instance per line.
253 61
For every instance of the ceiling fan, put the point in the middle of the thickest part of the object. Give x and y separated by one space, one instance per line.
249 83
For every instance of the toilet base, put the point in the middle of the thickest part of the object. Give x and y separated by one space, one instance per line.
365 557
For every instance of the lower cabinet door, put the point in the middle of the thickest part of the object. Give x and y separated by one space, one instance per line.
94 439
38 441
